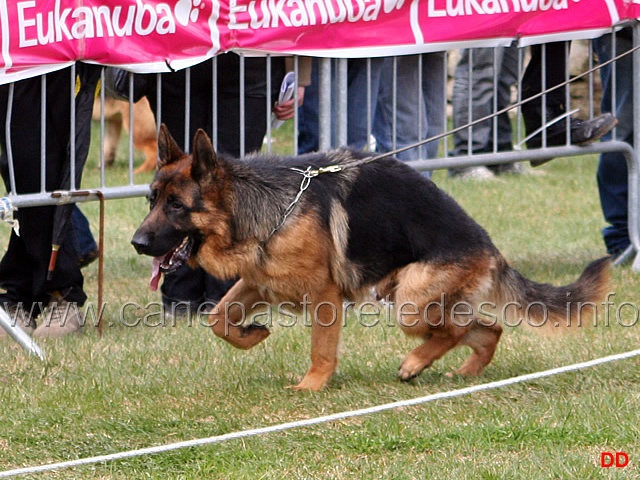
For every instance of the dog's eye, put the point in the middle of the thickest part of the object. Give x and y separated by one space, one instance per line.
175 203
151 198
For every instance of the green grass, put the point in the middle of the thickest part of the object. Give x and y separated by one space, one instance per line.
140 386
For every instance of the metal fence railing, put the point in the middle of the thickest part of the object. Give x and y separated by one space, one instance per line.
441 103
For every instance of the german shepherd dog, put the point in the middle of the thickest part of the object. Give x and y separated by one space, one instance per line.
334 233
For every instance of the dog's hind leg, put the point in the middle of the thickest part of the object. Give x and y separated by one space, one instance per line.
325 336
113 131
150 151
483 340
436 303
235 307
435 345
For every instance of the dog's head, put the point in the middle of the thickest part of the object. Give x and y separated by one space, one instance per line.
186 193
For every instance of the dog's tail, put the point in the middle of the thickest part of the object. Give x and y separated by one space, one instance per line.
550 309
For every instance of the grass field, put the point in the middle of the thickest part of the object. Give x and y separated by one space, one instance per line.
147 383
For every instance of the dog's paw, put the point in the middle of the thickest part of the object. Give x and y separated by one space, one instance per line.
410 369
406 375
309 385
469 370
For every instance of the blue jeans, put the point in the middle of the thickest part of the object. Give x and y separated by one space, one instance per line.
82 238
612 167
361 110
308 124
309 112
420 108
376 113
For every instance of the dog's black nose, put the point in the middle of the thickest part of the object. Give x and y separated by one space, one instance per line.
140 242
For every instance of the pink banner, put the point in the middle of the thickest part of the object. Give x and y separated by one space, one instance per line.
150 35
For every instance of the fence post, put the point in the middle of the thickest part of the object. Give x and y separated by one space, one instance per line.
634 200
324 104
341 102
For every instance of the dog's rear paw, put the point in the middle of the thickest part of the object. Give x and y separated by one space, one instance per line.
472 370
316 379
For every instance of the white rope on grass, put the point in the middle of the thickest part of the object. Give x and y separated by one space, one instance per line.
324 419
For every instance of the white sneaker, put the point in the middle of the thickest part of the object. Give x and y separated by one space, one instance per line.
475 173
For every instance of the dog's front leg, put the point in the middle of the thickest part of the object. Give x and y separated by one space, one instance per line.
326 317
229 316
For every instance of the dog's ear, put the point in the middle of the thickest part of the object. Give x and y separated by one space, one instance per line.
205 160
168 149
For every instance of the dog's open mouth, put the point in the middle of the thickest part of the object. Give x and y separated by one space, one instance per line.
169 262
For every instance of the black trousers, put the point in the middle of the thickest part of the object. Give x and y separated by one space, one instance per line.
23 268
185 284
171 110
555 66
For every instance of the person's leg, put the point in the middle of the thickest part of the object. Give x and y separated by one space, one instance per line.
184 289
547 62
186 286
502 138
83 241
24 266
410 116
434 92
507 77
256 115
361 110
37 223
230 124
550 62
23 261
473 87
167 102
612 167
473 84
253 124
308 123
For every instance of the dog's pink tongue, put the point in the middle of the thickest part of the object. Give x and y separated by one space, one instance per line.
155 273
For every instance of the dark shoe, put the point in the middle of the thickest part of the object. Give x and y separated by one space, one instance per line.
582 132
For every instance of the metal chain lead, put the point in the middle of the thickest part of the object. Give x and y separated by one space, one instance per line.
307 175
